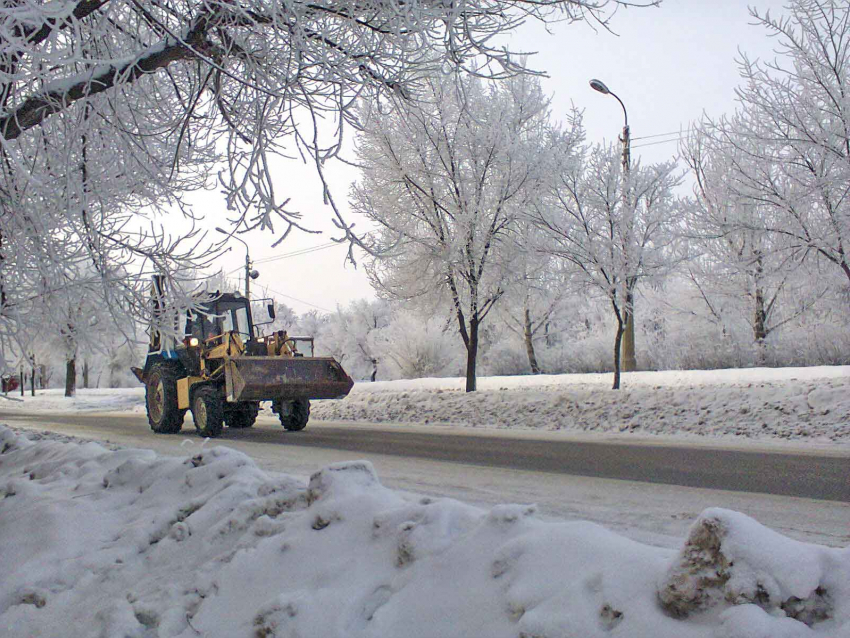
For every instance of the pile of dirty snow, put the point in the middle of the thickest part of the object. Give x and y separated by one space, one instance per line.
97 542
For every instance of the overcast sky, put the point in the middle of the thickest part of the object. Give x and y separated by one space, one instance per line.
667 64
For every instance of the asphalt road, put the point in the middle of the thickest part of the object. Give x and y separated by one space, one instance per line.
806 475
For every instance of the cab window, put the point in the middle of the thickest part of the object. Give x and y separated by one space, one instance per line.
235 318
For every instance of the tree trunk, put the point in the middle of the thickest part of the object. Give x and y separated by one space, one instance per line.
32 377
472 356
846 268
23 381
529 344
374 370
760 319
617 341
86 374
71 377
629 359
760 326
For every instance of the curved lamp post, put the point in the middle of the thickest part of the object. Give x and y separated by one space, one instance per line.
249 273
629 359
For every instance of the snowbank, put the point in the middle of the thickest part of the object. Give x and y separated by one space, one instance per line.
97 542
800 404
664 378
99 400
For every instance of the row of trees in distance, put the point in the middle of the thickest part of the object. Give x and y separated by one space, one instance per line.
480 200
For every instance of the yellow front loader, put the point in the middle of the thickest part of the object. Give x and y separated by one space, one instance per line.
222 369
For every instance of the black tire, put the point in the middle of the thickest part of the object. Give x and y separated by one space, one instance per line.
242 418
294 414
161 399
208 411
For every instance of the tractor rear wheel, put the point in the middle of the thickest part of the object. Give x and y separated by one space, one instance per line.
242 418
208 411
294 414
161 399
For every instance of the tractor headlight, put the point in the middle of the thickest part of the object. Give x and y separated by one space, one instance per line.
193 342
261 339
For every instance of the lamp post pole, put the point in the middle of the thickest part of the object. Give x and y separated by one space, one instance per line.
249 274
629 359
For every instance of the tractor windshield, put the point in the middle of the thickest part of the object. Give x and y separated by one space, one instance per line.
220 317
235 318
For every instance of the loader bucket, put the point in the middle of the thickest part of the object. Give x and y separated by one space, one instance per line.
285 378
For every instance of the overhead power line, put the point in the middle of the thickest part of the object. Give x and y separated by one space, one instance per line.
295 253
298 253
647 137
675 139
306 303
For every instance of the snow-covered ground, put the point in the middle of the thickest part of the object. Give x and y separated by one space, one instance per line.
99 542
805 405
100 400
800 404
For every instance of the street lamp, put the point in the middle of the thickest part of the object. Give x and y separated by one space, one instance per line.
599 85
629 360
249 273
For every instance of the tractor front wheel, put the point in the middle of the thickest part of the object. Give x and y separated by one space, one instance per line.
161 399
294 414
208 412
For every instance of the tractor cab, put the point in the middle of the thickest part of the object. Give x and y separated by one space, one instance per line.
226 313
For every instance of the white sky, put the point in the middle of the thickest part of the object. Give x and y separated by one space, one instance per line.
667 64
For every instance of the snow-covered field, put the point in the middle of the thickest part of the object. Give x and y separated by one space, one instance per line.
808 405
98 542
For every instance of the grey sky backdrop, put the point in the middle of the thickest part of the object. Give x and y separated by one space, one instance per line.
667 64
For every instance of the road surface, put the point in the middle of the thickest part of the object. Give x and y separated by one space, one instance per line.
783 474
571 477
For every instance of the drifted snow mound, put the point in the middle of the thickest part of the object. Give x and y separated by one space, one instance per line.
729 558
126 543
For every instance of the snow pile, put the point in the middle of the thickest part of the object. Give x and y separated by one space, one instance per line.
96 542
91 400
729 558
801 404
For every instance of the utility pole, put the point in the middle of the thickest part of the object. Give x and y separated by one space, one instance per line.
249 272
628 348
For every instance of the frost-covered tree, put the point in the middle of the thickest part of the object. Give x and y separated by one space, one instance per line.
76 207
445 181
739 268
110 110
285 317
311 324
788 144
535 294
351 331
414 346
611 240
